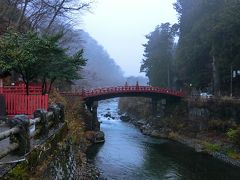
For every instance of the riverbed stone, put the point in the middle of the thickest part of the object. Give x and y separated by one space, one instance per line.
125 118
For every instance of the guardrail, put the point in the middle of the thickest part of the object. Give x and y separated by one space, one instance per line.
20 135
124 89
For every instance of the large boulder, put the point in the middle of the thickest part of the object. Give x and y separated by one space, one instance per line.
125 118
100 137
108 115
95 136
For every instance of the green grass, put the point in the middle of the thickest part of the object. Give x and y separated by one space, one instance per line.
233 154
211 147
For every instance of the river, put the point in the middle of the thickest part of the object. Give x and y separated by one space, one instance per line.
127 154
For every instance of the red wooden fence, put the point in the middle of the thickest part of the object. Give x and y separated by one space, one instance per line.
17 102
23 104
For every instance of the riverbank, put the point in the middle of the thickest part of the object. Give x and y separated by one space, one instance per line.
203 143
180 128
69 161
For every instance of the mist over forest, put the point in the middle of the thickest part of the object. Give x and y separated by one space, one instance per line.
101 70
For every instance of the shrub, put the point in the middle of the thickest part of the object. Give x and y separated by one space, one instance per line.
226 98
233 154
234 136
210 147
220 125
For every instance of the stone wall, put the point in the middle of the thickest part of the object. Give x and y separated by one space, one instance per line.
215 109
192 116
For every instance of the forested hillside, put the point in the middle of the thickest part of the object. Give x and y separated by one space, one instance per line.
207 49
101 70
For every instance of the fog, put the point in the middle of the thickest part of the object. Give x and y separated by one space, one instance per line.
101 70
120 27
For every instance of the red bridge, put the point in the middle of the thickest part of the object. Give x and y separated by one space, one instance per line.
89 96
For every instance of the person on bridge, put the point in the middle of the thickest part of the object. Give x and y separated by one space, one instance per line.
137 85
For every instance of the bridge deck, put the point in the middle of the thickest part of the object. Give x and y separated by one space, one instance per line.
126 89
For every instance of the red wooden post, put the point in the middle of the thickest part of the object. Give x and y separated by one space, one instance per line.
137 86
1 86
83 92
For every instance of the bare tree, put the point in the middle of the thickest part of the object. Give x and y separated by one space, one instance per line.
63 9
40 14
9 14
7 6
44 13
22 15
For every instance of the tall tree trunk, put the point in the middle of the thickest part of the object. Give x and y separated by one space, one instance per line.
44 85
27 87
20 19
3 13
54 16
26 82
168 75
216 82
50 85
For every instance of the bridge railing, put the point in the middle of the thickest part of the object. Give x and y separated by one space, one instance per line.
101 91
121 89
20 133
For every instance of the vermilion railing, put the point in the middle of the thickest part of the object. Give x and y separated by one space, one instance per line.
25 104
20 90
17 102
125 89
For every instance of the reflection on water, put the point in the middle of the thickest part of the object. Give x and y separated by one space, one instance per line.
127 154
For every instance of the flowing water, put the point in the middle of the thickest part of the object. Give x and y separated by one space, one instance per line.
127 154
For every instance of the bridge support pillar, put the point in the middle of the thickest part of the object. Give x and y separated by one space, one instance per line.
95 123
89 106
154 106
92 123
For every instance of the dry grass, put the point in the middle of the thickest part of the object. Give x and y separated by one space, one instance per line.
73 109
55 97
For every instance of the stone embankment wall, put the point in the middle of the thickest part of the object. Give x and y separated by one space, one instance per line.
212 113
197 114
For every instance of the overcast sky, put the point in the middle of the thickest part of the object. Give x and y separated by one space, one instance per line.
120 27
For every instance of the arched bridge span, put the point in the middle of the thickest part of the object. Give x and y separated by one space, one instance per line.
89 96
92 96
